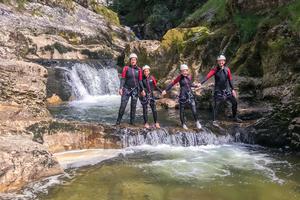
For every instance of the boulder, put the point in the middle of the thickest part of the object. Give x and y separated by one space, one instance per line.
23 161
54 100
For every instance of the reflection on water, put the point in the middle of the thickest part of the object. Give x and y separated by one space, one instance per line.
226 172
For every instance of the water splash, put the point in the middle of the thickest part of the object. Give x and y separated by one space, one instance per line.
89 80
163 136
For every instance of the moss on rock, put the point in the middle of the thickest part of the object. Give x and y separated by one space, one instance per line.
179 37
212 12
110 15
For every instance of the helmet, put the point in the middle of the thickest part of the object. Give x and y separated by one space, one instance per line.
146 67
183 67
221 57
133 55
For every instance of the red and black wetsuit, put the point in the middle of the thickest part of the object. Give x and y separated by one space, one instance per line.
131 76
223 88
149 84
186 95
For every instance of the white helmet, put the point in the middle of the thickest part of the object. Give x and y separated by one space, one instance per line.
183 67
146 67
221 57
133 55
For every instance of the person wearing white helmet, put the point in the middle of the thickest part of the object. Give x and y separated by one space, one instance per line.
224 90
148 84
186 96
129 87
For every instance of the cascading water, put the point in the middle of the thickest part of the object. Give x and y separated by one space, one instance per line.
92 86
87 80
178 138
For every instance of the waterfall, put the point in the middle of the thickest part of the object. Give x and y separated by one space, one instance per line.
81 80
177 138
87 80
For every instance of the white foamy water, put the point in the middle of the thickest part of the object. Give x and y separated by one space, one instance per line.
109 101
89 81
206 163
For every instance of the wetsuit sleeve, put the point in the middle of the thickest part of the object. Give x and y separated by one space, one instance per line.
209 75
140 78
123 76
230 79
141 85
174 82
155 85
140 74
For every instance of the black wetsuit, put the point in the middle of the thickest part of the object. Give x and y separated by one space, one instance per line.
186 96
223 89
149 84
131 76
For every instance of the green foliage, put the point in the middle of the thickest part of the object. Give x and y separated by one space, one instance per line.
160 14
159 17
292 13
213 11
247 25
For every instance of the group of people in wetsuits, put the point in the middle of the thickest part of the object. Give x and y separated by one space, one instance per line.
137 83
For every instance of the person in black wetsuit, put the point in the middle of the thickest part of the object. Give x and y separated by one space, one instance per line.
186 96
148 84
129 88
224 90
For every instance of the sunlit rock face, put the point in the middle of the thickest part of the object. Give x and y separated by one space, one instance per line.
42 31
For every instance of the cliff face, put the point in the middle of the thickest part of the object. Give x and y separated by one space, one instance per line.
34 30
23 90
43 31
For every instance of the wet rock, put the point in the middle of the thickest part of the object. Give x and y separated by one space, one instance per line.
61 135
23 161
280 128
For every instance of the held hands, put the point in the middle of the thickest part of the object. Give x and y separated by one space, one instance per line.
198 85
143 93
234 93
121 92
164 93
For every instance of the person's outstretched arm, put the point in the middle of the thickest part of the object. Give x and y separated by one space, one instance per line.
155 84
210 74
169 87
